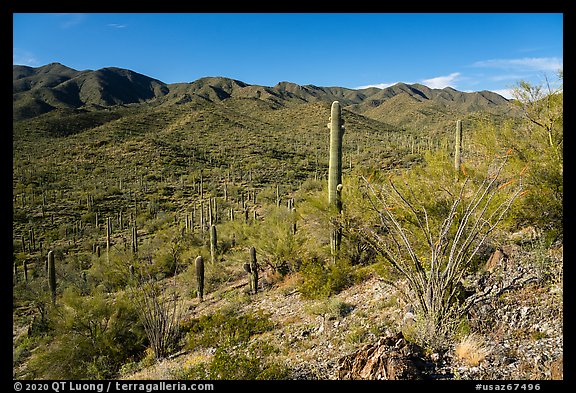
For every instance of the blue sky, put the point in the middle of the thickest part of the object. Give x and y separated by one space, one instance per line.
469 52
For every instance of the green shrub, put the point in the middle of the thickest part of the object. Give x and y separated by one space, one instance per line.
230 363
93 336
225 327
322 279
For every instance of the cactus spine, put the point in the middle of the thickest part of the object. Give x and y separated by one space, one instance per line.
336 127
52 276
213 243
199 264
458 148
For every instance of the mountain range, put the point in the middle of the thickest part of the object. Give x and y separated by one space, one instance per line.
55 86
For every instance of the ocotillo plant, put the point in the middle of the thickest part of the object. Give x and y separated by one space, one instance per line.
52 276
200 277
336 127
458 149
213 243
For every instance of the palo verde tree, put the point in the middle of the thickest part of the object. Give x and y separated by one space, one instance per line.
536 139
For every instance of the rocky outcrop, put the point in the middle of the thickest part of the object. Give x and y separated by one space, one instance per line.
389 358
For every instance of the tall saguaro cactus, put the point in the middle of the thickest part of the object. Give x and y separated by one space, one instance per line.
134 238
108 232
52 276
336 127
199 264
253 271
458 148
213 243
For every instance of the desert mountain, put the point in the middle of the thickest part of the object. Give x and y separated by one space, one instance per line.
43 89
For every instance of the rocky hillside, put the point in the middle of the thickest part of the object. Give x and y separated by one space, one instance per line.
358 333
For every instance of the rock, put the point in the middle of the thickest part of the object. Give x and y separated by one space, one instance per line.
495 260
557 369
390 358
525 235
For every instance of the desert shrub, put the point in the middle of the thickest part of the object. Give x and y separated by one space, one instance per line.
322 279
238 363
92 337
275 240
471 350
225 327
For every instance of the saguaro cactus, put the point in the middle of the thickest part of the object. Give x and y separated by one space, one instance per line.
336 127
199 264
458 148
134 238
52 276
213 243
108 232
25 267
252 269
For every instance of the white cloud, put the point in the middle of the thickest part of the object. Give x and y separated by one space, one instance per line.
381 85
70 20
23 57
116 25
441 82
378 85
524 64
506 93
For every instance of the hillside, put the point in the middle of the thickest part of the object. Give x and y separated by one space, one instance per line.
127 180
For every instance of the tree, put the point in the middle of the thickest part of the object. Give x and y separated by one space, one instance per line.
542 106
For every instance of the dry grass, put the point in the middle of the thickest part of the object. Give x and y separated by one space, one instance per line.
471 350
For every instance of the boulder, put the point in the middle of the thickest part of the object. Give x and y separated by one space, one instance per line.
389 358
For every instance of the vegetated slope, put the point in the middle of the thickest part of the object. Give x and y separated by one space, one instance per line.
156 154
109 127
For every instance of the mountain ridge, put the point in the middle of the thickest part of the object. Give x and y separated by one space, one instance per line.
42 89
